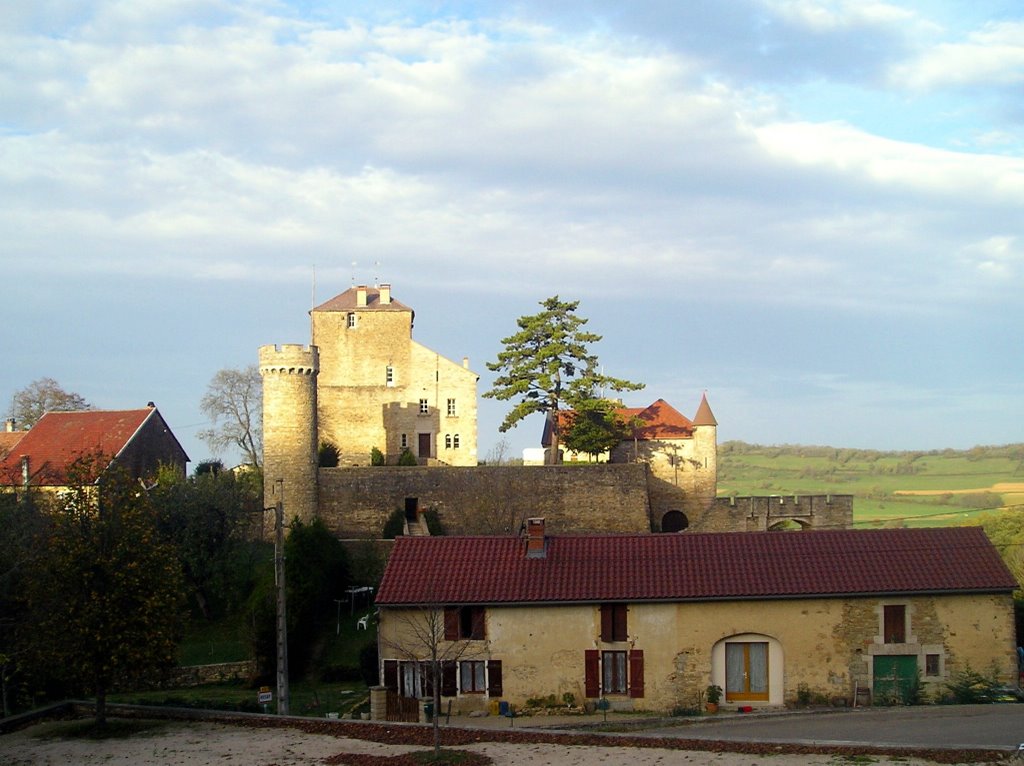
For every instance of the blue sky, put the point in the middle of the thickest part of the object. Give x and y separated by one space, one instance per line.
810 210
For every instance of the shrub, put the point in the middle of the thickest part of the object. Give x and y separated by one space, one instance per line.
969 687
328 455
434 524
395 525
376 457
407 458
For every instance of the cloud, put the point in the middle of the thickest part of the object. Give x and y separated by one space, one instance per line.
990 56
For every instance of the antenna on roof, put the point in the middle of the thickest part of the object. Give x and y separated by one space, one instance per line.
376 273
353 273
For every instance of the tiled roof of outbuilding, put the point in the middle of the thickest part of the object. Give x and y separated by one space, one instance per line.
693 567
59 438
348 301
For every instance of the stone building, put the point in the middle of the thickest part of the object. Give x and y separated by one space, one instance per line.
648 622
364 383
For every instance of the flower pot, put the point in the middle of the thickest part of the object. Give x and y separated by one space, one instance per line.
711 707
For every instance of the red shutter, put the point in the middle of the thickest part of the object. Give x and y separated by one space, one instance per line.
449 686
451 623
391 674
478 623
636 672
619 632
592 671
607 622
494 678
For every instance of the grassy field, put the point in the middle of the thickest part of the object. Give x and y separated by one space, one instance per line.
890 488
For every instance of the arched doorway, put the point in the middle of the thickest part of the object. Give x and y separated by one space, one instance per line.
674 521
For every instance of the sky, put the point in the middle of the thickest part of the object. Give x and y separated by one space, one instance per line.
811 211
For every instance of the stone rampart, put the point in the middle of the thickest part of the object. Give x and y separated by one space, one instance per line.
605 498
761 513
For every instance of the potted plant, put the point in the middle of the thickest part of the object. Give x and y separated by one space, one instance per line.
714 694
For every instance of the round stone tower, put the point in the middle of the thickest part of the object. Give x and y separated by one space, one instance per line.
290 462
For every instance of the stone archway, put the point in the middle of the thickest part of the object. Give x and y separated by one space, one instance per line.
674 521
788 525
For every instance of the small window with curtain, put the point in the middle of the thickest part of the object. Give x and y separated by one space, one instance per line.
471 677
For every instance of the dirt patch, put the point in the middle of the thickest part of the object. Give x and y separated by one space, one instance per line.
999 488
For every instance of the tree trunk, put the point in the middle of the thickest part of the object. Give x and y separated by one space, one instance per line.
101 702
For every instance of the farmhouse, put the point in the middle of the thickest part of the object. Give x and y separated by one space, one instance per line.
139 441
648 622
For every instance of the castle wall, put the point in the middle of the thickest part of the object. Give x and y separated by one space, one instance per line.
356 502
758 514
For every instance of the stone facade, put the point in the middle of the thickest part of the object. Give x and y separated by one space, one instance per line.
821 647
380 389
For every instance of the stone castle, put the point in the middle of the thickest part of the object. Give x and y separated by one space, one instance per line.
364 384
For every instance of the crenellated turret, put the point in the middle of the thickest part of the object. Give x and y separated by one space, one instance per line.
290 439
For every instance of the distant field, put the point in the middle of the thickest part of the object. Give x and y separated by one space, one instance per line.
890 488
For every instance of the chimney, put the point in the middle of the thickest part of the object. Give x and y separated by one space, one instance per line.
385 295
535 539
361 295
10 425
465 362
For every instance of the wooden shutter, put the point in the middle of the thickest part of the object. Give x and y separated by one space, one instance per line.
478 623
592 673
619 632
636 672
894 624
391 675
451 623
449 685
494 688
607 622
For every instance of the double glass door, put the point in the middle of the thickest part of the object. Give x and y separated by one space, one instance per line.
746 670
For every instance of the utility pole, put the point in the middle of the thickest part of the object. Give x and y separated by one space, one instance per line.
282 620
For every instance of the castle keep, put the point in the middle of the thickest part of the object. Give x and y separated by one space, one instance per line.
364 384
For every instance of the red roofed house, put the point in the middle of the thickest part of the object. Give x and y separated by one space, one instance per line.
649 621
139 441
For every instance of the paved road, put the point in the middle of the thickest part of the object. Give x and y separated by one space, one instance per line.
945 726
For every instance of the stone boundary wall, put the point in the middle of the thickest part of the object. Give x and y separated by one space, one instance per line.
760 513
197 675
603 498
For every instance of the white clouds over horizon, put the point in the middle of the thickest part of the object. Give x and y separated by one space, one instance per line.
520 150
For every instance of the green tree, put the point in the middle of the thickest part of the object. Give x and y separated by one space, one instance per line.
107 595
547 364
208 517
595 427
234 404
42 396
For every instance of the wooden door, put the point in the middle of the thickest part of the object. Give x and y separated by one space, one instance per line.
746 670
425 441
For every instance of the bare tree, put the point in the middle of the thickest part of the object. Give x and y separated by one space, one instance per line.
428 635
42 396
234 403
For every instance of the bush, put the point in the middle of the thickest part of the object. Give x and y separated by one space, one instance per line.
434 525
376 457
328 455
407 458
969 687
395 525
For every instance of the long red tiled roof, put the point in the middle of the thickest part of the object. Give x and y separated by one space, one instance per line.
693 567
8 439
657 421
59 438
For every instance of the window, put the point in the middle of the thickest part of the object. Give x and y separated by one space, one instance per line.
455 441
613 672
451 408
613 622
931 665
471 677
389 375
351 320
464 622
405 441
894 629
447 441
424 407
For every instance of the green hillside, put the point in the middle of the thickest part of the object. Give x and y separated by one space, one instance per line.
935 488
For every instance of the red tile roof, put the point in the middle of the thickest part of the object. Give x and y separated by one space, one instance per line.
347 301
8 439
658 421
687 567
59 438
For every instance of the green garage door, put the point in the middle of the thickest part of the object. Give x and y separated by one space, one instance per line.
895 676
